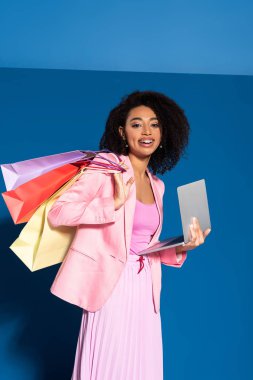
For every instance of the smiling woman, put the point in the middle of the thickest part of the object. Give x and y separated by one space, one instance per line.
119 291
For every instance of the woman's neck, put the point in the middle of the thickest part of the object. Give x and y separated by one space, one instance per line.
139 165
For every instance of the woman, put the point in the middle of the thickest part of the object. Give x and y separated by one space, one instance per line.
116 216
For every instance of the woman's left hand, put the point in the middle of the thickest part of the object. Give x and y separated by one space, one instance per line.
197 236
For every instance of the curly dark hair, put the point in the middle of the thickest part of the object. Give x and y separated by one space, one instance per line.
175 128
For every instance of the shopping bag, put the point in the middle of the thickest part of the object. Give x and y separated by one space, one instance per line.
17 173
40 245
25 199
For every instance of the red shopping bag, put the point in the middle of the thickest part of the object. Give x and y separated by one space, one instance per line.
26 198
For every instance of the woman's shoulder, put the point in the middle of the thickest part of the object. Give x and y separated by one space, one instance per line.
109 156
100 164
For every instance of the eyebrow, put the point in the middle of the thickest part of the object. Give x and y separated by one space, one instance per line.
139 118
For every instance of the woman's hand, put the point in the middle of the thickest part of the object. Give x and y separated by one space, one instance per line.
121 190
197 236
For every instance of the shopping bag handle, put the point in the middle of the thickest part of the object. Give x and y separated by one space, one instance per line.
95 153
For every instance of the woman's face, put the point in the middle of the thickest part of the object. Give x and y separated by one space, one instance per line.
142 131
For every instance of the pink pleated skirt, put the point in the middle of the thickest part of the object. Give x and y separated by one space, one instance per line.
122 340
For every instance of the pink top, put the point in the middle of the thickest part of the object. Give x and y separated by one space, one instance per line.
146 220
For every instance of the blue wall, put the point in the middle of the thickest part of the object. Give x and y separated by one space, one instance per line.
206 305
210 37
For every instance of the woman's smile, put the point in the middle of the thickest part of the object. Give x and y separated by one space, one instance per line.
147 143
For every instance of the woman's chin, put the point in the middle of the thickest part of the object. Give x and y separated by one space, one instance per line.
142 153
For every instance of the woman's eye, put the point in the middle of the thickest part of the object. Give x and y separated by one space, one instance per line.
136 125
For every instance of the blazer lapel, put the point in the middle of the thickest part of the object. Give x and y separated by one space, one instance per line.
158 201
129 207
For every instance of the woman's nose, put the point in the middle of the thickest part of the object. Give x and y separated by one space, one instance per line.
146 130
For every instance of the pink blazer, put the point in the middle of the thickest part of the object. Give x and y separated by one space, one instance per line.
99 250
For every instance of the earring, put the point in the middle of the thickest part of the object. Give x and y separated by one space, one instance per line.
124 138
161 146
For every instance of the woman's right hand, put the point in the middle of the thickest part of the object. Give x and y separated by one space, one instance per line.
121 190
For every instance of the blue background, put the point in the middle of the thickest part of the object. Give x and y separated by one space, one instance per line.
206 305
208 37
64 65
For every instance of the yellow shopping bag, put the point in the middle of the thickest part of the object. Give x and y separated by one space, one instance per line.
39 245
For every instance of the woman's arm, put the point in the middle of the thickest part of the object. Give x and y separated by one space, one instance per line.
81 205
168 256
171 257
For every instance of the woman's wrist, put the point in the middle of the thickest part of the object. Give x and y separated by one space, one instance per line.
180 249
117 205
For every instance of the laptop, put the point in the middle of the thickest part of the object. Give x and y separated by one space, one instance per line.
192 199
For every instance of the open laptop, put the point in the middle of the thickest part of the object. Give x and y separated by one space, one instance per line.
193 201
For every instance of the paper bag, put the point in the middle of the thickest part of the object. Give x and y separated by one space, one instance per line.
39 245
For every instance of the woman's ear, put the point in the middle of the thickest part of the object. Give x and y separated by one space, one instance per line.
120 129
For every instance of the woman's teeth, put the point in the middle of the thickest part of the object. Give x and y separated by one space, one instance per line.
146 142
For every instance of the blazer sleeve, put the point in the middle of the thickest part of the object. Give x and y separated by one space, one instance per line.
80 204
169 256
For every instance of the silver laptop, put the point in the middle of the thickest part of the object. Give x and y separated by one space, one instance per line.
193 201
